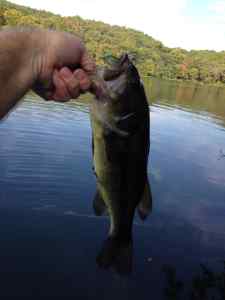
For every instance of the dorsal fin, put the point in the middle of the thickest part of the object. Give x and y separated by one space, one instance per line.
145 205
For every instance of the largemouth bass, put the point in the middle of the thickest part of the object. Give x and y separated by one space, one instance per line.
120 139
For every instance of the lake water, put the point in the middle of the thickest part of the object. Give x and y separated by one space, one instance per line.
49 236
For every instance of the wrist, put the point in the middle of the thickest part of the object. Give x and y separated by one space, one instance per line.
19 65
24 47
38 54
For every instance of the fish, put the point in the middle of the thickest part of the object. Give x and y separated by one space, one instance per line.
120 122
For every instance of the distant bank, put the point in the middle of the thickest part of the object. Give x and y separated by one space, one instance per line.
104 41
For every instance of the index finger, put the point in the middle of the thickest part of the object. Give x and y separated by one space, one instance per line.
87 63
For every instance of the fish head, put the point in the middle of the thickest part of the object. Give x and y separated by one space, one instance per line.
117 81
120 100
121 77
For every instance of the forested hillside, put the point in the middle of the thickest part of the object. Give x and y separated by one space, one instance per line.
102 40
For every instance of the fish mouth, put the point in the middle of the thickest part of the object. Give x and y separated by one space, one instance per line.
116 69
109 83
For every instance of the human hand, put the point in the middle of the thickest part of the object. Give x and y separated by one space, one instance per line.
62 66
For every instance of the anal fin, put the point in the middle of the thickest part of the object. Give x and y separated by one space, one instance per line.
145 205
99 204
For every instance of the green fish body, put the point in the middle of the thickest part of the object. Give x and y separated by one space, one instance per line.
120 139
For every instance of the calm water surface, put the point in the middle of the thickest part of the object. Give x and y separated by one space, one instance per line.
49 236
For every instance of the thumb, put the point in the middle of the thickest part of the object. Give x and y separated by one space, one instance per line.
87 63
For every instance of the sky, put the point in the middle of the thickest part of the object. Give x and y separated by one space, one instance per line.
189 24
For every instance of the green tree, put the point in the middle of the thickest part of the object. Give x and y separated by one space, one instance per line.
104 41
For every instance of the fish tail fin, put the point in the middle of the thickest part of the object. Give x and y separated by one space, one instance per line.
117 255
145 205
124 259
99 204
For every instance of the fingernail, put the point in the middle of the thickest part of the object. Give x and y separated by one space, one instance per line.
85 85
65 73
79 74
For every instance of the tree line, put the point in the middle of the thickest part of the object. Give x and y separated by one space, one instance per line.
104 42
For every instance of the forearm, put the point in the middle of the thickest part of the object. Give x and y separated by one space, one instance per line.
17 67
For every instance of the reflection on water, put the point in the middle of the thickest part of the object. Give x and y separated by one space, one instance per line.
49 236
206 284
207 101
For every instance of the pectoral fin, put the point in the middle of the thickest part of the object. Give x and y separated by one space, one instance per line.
145 205
99 204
